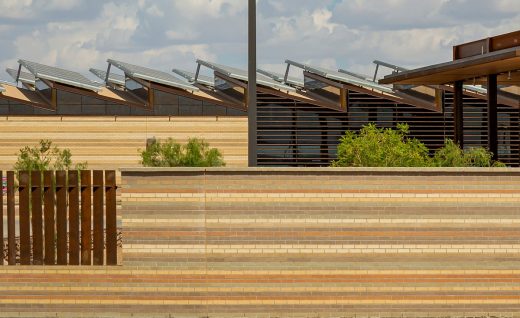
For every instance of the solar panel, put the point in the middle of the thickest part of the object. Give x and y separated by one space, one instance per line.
340 77
26 78
281 78
243 76
190 77
113 78
151 75
59 75
2 89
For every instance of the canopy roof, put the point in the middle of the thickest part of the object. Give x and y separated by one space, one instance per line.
466 69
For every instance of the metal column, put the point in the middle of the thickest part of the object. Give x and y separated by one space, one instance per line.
251 104
458 114
492 91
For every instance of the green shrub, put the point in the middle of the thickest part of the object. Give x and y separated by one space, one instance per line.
196 153
378 147
45 156
451 155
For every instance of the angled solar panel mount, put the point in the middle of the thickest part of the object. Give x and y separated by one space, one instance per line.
58 75
293 81
151 75
193 78
115 79
242 75
340 77
27 79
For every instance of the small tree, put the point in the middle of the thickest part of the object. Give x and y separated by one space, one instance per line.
45 156
196 153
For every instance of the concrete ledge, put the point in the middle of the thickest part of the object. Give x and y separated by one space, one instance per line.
328 171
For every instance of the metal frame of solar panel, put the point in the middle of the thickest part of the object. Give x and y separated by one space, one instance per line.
340 77
243 76
151 75
58 75
113 78
293 81
190 77
25 78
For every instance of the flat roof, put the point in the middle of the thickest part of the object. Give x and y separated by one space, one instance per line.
55 74
465 69
151 75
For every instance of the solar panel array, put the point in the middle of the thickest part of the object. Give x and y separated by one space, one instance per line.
152 75
190 77
281 78
25 77
243 75
113 78
58 75
340 77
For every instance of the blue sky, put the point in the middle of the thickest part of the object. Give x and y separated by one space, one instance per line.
78 34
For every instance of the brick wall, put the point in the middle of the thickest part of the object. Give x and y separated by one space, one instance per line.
298 243
108 142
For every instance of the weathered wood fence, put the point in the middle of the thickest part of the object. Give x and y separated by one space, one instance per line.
63 217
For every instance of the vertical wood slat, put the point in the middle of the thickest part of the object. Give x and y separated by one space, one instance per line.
86 218
111 217
98 217
2 219
36 217
11 220
73 193
49 202
24 218
61 216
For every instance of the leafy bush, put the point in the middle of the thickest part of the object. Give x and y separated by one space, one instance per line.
45 156
196 153
378 147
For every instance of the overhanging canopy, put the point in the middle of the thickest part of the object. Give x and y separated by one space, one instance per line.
468 69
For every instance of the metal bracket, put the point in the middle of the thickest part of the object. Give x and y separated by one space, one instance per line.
108 72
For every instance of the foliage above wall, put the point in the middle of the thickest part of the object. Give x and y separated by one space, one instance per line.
379 147
45 156
196 153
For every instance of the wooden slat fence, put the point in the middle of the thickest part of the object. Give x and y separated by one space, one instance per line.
64 218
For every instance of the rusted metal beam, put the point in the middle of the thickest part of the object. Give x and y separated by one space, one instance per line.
458 113
61 216
492 91
73 193
111 217
49 202
86 218
11 220
25 218
36 217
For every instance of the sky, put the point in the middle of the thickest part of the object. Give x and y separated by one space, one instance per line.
162 34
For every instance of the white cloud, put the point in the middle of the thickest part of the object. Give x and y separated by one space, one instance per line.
78 34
